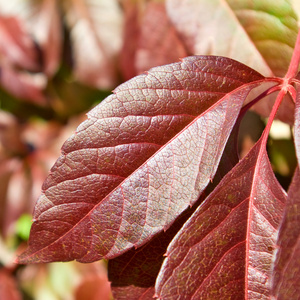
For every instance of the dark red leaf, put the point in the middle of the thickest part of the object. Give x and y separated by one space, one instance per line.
133 166
286 274
226 248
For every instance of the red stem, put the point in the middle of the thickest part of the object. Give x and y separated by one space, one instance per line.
294 64
278 101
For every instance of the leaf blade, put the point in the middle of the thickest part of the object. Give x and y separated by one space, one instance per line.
81 215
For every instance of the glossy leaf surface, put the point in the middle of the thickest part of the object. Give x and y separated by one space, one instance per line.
143 156
226 247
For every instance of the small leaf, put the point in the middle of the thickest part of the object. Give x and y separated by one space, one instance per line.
226 248
286 274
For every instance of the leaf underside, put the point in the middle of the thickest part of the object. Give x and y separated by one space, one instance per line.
144 155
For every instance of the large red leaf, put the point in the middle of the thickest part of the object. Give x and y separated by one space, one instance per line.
143 156
286 270
226 248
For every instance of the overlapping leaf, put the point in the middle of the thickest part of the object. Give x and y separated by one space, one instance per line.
143 156
226 247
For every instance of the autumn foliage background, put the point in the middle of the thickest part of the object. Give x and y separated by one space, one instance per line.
60 58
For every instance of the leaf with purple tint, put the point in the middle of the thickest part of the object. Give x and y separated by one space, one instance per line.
226 248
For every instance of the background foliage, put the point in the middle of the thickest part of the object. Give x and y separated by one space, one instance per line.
60 58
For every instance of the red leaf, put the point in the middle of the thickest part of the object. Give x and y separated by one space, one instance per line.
137 160
286 274
140 267
226 248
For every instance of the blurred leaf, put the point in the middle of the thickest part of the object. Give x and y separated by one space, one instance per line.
259 33
156 41
16 45
8 287
95 33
